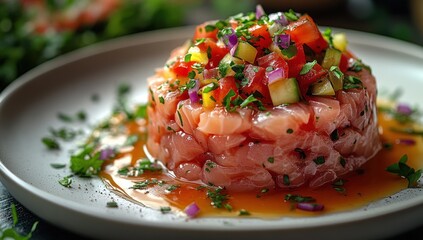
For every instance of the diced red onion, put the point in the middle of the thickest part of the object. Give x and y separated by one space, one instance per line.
404 109
275 75
192 210
106 153
259 11
193 92
312 207
282 40
278 18
230 40
408 142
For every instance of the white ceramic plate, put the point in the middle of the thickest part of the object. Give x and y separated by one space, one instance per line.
28 108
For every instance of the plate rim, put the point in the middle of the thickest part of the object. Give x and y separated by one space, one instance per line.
9 178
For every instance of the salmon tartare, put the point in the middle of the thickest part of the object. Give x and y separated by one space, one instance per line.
261 101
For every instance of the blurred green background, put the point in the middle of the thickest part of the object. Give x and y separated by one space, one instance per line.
34 31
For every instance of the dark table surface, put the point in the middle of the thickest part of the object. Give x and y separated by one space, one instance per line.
46 231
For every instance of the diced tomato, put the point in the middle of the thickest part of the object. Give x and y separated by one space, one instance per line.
201 32
306 31
346 58
343 64
181 68
296 62
257 82
304 81
260 38
216 52
273 60
225 85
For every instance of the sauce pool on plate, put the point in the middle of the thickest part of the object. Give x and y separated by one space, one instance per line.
134 176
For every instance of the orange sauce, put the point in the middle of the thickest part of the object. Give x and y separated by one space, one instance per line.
371 183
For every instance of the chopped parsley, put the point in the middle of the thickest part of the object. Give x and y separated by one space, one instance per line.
165 210
334 136
50 143
248 100
146 165
319 160
290 51
86 162
403 170
298 198
112 204
351 82
291 15
286 180
161 100
57 165
227 100
148 182
307 67
64 117
342 161
187 57
243 212
218 197
189 85
210 28
64 133
338 186
172 187
271 159
66 181
210 87
328 36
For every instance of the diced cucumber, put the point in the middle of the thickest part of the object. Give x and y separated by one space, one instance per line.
246 52
332 58
337 80
284 91
323 87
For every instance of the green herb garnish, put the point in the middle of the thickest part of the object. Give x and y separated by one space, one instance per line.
243 212
298 198
307 67
319 160
86 162
351 82
165 209
66 181
50 143
112 204
403 170
57 165
187 57
218 197
210 87
291 15
328 35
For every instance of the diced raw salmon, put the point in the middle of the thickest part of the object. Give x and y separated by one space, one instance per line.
306 143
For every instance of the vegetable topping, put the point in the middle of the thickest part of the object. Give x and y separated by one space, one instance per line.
274 59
